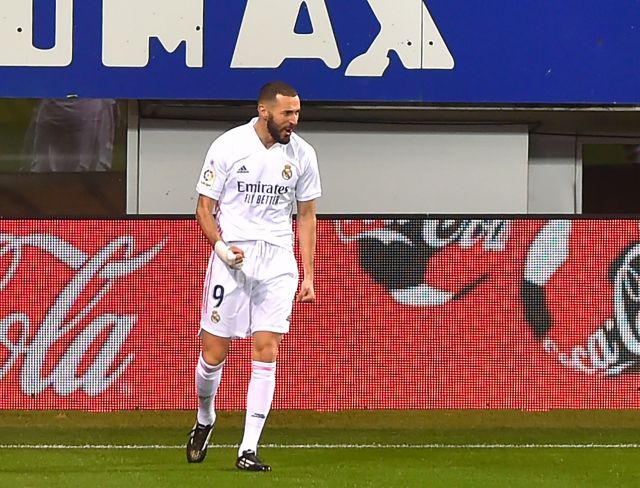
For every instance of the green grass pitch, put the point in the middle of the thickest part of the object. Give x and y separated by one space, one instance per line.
339 449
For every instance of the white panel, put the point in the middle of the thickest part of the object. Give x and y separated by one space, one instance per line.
552 174
406 169
171 156
364 168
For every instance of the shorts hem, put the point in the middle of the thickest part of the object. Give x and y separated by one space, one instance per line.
275 330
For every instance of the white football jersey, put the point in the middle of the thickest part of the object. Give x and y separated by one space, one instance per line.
256 187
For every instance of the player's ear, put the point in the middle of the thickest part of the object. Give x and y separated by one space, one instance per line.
263 112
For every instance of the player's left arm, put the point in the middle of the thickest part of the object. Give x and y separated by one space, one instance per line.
306 221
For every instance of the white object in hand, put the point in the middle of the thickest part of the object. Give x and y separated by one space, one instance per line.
227 255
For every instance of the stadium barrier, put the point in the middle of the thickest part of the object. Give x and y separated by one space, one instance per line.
412 313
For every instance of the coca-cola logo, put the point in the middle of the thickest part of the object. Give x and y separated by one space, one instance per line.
23 339
614 346
397 254
406 248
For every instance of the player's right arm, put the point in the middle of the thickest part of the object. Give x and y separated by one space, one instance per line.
231 255
210 186
206 219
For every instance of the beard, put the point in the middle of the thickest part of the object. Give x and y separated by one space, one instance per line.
275 132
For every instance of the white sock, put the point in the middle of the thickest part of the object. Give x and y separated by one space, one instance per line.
207 382
259 397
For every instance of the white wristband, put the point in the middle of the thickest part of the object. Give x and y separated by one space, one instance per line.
227 255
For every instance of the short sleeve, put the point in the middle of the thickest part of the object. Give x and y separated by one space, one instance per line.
213 174
308 186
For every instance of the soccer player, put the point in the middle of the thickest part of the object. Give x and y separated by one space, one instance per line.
251 177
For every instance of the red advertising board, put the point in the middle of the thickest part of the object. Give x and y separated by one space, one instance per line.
516 313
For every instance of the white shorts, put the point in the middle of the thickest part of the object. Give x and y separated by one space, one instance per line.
259 297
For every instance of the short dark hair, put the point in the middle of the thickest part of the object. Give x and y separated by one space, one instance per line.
269 91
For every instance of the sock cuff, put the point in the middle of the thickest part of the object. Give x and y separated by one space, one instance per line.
264 370
207 369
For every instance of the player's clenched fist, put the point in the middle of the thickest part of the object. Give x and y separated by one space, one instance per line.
306 294
231 256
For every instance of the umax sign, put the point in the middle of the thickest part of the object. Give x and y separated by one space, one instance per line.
331 50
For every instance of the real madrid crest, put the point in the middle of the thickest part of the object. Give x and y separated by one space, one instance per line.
215 316
287 172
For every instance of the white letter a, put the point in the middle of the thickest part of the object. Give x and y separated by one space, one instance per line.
267 35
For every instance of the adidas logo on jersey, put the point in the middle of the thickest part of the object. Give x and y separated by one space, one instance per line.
243 169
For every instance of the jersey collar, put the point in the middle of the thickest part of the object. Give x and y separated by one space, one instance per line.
252 125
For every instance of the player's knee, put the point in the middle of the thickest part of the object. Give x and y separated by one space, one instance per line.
265 347
213 358
266 353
